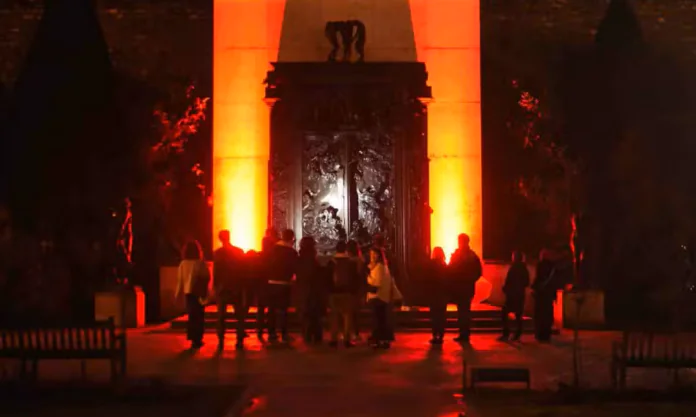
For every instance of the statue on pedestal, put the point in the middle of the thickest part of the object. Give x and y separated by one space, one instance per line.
352 33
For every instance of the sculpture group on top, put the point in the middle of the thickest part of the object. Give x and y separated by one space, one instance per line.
352 34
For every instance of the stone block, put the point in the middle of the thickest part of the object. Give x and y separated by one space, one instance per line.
588 314
128 305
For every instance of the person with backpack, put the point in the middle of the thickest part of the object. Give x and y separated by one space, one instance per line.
382 294
344 292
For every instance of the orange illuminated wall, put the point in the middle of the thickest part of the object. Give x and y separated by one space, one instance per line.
245 40
447 36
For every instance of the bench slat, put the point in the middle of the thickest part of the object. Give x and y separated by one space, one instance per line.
63 340
95 336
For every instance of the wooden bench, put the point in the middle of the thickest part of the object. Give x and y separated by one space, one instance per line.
497 375
670 351
98 340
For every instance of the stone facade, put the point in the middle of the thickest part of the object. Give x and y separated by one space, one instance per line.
165 41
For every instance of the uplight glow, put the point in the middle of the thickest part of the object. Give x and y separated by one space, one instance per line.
447 36
246 34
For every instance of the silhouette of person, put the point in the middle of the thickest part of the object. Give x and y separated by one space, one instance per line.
261 280
312 286
545 286
466 269
437 281
516 283
283 267
230 284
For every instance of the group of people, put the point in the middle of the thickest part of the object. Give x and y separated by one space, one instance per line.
269 278
553 272
342 286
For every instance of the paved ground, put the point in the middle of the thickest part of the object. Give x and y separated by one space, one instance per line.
411 379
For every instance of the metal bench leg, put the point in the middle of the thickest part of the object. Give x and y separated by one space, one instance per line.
622 376
34 370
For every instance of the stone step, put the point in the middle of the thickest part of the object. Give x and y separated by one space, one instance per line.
484 319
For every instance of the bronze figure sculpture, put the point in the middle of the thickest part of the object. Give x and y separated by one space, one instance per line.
352 33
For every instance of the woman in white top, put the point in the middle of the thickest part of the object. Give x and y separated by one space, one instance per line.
192 284
381 293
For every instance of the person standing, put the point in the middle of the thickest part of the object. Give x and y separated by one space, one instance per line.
466 270
380 295
544 291
380 243
515 287
437 279
353 250
193 279
283 267
261 280
343 298
312 288
230 285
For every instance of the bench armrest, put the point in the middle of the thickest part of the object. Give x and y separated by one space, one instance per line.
617 350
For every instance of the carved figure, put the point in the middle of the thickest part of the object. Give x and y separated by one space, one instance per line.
351 32
357 29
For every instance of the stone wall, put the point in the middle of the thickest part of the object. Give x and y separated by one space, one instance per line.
166 41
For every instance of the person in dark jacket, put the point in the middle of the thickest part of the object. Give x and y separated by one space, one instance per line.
515 287
283 267
353 250
344 292
312 287
437 279
261 280
253 270
544 287
230 284
466 269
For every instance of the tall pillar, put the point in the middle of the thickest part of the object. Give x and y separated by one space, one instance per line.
448 41
245 40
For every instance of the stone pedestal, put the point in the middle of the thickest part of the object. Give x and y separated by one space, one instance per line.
111 304
591 313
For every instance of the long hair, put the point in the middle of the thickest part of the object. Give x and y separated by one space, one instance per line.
308 247
518 256
439 255
192 251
